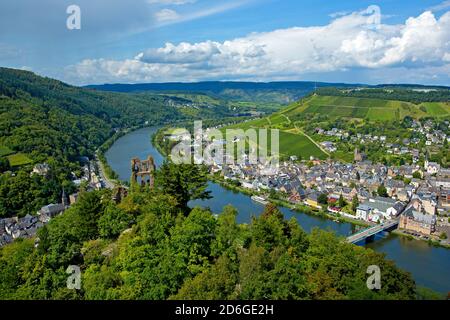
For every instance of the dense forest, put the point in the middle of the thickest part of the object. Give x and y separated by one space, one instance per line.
417 96
153 246
45 120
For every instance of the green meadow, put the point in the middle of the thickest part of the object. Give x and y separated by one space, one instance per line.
18 159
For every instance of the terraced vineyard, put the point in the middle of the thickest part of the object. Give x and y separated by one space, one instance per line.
366 108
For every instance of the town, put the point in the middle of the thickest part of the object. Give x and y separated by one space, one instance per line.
92 178
425 134
416 196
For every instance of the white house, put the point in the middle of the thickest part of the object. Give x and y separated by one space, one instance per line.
363 211
432 167
385 208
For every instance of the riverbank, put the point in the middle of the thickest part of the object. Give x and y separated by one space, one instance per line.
431 242
300 208
109 174
280 202
319 213
428 264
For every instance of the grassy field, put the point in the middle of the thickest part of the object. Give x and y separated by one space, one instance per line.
18 159
437 109
5 151
292 144
382 114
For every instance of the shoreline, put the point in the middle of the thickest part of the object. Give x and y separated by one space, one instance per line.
402 233
310 211
298 208
434 250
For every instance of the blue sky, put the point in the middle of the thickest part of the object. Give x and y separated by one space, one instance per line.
390 41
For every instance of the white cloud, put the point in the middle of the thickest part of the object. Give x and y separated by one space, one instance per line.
348 42
204 12
171 2
165 15
338 14
442 6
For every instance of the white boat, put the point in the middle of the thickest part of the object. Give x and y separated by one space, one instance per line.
259 199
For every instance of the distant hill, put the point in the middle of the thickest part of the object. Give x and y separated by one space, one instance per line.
275 92
45 120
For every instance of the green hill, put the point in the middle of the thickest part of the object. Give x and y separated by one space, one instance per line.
45 120
317 109
367 108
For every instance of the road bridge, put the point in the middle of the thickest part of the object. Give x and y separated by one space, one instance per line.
363 235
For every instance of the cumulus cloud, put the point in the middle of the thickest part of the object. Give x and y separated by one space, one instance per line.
351 41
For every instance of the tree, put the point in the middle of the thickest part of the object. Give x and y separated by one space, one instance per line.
355 203
417 175
217 283
227 231
184 182
113 222
4 164
341 201
12 258
322 198
273 194
382 191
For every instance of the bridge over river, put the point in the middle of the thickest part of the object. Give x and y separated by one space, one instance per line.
372 231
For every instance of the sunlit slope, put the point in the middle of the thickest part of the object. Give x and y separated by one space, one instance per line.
366 108
293 140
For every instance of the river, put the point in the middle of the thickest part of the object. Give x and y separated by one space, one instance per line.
430 266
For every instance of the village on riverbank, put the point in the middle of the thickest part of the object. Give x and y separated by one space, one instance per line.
364 193
92 178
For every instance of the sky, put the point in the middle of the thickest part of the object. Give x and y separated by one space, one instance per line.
138 41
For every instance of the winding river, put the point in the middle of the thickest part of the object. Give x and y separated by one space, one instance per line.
430 266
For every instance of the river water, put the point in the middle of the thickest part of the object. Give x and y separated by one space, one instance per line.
430 266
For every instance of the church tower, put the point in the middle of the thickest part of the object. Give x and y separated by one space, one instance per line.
64 198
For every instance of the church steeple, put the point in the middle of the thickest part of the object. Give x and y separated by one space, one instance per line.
64 198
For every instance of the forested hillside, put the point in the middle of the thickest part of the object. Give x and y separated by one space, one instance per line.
45 120
407 93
